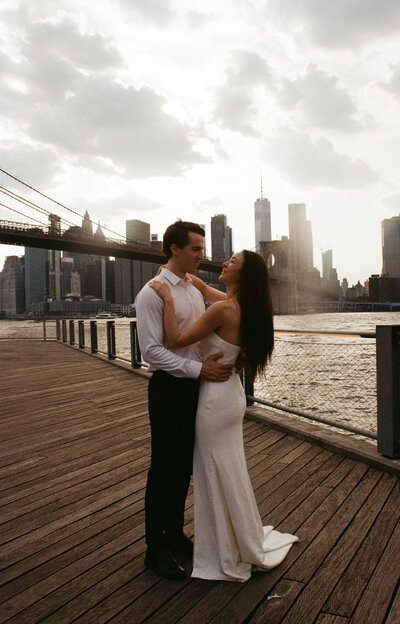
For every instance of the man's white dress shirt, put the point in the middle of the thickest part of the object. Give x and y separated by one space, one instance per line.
189 306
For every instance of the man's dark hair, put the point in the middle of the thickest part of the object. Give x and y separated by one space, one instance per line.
178 233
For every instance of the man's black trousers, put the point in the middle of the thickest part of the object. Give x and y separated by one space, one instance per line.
172 410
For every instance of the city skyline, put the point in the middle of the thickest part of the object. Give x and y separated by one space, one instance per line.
159 110
138 229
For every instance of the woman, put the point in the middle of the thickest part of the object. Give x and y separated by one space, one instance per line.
230 540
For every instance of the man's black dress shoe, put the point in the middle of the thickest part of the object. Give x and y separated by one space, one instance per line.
181 545
162 563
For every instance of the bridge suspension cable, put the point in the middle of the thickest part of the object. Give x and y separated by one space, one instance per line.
31 204
59 203
23 215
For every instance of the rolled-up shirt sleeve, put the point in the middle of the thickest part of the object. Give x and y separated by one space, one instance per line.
150 325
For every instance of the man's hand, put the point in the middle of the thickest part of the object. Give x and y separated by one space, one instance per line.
215 371
240 361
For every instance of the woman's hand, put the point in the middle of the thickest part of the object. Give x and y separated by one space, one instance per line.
162 290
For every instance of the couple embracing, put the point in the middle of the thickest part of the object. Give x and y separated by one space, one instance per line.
196 407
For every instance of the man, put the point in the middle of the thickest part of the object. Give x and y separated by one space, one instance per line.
173 395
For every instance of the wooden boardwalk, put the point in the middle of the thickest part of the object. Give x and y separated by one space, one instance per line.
74 454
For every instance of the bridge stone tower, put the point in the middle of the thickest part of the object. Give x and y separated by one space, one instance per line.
279 255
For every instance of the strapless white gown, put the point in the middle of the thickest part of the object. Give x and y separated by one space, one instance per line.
229 538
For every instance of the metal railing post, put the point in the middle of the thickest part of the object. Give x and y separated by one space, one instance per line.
111 340
388 390
71 332
64 330
81 334
93 336
136 356
248 385
58 330
44 331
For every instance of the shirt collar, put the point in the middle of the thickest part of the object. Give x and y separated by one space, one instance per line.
175 279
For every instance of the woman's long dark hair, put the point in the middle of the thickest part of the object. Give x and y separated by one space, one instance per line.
256 325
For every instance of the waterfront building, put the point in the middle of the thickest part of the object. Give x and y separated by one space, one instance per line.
54 275
132 275
87 226
262 220
12 286
327 264
137 231
391 247
221 238
157 244
75 284
92 269
357 291
384 289
330 281
300 233
36 276
67 267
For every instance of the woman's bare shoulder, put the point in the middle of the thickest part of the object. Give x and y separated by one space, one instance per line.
225 308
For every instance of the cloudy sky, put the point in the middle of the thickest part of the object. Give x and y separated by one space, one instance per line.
159 109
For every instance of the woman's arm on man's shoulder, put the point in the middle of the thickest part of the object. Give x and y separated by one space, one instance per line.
208 292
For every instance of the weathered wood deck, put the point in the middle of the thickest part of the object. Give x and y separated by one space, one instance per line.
74 455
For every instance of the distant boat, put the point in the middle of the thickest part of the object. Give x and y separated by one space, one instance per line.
105 315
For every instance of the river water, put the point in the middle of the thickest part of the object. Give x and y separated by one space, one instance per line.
331 376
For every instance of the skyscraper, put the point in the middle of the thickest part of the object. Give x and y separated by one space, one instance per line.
138 231
12 286
87 226
262 220
391 247
36 276
132 275
327 265
221 238
301 235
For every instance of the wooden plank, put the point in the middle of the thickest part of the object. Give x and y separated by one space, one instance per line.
394 614
31 558
343 513
359 511
347 593
382 586
239 601
81 557
328 618
273 609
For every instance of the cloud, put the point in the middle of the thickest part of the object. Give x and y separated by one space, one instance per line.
310 163
64 40
234 108
247 69
153 12
338 24
196 20
320 101
393 202
126 206
70 102
37 165
53 60
393 85
126 125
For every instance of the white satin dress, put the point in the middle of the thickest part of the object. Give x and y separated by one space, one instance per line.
229 538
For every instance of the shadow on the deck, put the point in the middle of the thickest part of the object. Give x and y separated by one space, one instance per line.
74 455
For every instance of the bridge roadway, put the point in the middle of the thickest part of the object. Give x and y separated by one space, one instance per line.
12 233
74 454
